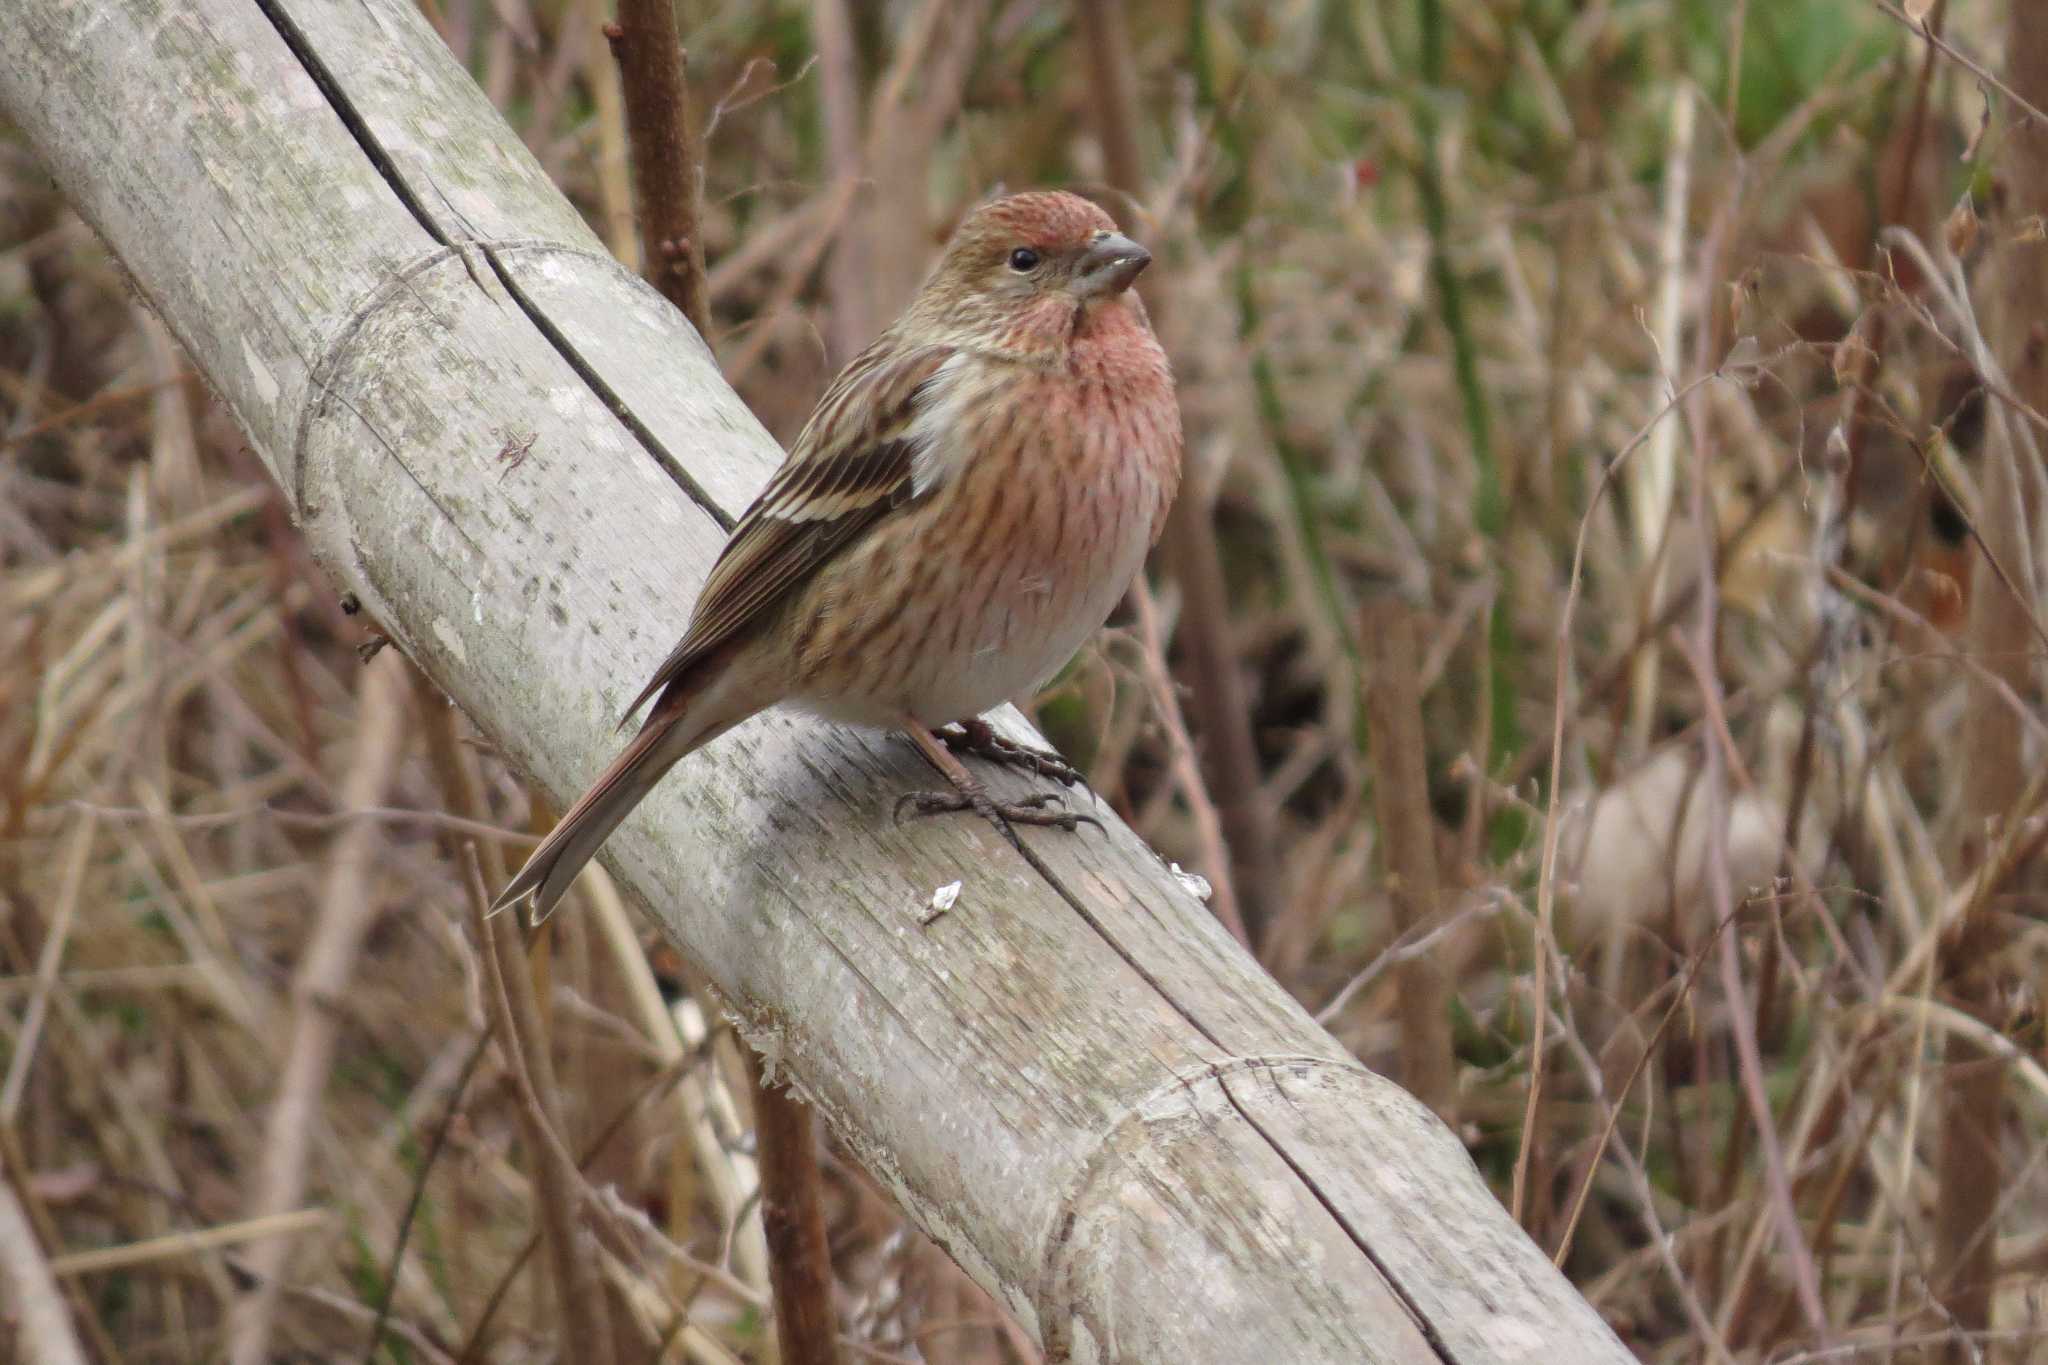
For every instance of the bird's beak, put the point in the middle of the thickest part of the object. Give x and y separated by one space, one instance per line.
1109 265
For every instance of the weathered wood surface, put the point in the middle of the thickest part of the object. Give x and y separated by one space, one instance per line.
1102 1108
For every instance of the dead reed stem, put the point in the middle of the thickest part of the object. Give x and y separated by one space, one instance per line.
704 1106
1407 827
349 905
854 318
32 1299
1228 759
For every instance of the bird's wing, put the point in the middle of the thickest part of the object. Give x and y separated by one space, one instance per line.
854 461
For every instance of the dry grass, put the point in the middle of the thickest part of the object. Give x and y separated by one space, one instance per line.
1670 414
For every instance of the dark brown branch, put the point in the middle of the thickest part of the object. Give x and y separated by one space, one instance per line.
1999 634
666 178
649 49
793 1219
585 1313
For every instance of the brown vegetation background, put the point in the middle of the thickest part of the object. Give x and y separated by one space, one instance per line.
1596 663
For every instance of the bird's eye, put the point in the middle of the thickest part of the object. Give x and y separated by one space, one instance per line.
1023 260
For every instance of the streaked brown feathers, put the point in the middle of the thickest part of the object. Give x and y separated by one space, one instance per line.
851 463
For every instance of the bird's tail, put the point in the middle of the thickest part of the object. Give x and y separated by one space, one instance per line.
681 722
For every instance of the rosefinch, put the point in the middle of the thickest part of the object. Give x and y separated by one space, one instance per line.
970 498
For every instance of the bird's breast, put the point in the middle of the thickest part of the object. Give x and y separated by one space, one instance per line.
984 588
1058 503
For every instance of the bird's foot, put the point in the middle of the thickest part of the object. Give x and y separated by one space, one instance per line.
1029 810
969 794
978 737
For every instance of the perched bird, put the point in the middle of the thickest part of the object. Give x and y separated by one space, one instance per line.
969 500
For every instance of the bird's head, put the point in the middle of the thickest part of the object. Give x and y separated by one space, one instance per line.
1025 273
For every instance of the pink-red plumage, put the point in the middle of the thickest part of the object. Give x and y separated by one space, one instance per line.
967 503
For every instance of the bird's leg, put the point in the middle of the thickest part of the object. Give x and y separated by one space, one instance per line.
969 794
977 736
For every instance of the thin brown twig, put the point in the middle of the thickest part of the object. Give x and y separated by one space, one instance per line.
1900 238
1851 586
1187 773
387 1288
1741 1016
1661 1242
1696 962
1948 50
432 819
515 1017
94 407
1546 881
1702 654
656 1087
740 93
1738 30
522 1037
1406 948
1916 122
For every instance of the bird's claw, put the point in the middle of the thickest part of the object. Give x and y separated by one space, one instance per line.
1026 810
979 738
